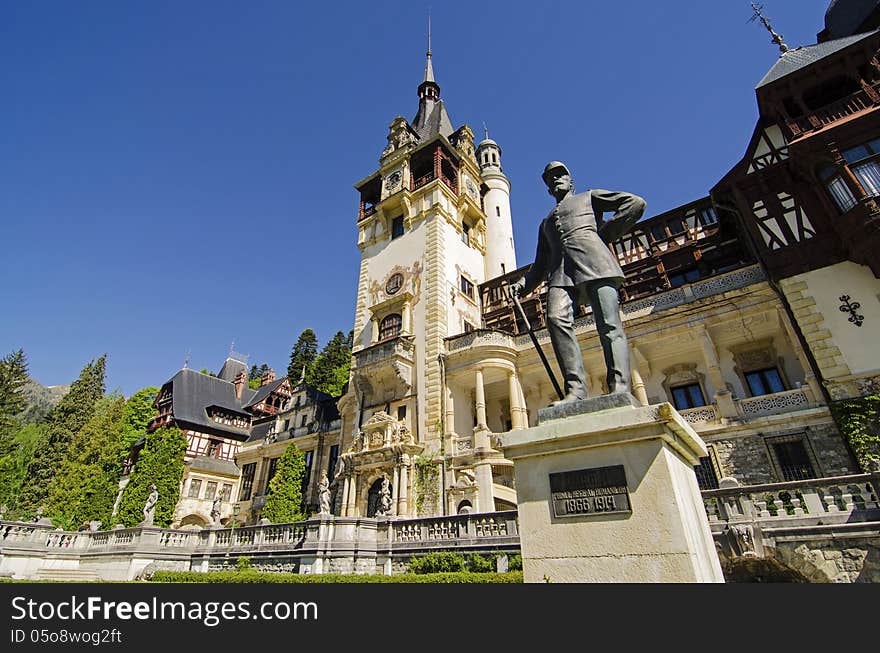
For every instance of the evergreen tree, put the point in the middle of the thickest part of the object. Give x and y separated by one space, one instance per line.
330 371
284 499
13 377
302 356
161 464
138 412
87 482
14 463
66 419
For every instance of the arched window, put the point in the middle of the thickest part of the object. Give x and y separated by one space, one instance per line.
390 326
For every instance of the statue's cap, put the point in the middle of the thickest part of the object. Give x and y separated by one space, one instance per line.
554 165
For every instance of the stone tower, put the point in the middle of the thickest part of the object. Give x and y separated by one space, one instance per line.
426 244
500 252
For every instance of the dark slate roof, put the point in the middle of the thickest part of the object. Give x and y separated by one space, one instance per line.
214 466
231 368
798 58
263 391
845 17
261 430
193 392
432 119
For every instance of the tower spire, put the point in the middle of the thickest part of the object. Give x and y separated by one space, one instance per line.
774 37
429 68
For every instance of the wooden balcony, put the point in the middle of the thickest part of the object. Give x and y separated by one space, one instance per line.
834 112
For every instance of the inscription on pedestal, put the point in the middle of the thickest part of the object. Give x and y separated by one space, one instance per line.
597 490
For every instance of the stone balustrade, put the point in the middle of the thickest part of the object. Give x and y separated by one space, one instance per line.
782 520
304 545
827 500
753 407
773 404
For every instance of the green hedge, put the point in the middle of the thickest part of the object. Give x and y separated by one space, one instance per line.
251 576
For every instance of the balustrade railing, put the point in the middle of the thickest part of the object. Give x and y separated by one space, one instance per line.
778 402
820 499
457 527
833 112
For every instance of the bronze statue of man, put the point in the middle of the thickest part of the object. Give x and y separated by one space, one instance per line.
574 258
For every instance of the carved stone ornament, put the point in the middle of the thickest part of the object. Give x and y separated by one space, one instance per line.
392 181
380 431
399 136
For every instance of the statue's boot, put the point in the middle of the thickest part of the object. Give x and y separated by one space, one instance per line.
570 398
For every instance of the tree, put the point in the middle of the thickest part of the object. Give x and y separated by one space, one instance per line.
330 371
161 464
302 356
87 483
138 412
14 463
66 419
255 376
284 499
13 377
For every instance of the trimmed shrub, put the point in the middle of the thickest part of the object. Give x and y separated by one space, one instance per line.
440 562
480 564
252 576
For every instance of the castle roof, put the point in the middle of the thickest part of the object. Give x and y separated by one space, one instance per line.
801 57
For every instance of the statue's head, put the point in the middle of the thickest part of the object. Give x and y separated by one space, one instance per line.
558 178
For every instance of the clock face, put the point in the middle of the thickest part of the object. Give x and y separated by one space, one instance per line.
392 180
471 188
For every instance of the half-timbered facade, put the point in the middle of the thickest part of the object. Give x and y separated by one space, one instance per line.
217 415
806 193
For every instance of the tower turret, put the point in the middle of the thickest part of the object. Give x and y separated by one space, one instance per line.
500 252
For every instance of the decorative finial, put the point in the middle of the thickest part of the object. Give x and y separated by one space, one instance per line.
186 360
232 347
429 68
485 131
775 38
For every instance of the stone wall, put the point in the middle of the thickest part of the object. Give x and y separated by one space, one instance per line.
746 456
828 560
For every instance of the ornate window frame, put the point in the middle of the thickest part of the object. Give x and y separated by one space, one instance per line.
684 374
758 355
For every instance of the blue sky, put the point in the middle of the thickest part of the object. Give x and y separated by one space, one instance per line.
176 175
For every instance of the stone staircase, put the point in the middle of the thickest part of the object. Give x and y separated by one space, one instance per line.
68 575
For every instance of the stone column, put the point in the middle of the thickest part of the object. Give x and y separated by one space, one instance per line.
450 413
406 318
723 396
515 393
395 489
375 326
485 495
524 406
480 403
343 510
352 496
403 492
637 362
809 377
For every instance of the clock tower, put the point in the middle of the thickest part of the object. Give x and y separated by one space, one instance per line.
426 244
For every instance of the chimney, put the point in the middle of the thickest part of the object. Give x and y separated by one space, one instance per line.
239 383
267 377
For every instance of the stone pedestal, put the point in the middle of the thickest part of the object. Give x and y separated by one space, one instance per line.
652 527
